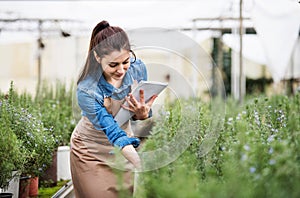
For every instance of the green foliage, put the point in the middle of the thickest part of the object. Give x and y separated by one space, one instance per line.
257 152
55 107
46 192
32 139
32 128
11 157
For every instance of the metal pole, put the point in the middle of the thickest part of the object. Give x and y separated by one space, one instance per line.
39 55
292 79
241 76
195 59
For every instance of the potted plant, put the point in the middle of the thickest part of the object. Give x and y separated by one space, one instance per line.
11 157
35 141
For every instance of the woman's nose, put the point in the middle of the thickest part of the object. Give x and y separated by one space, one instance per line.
121 67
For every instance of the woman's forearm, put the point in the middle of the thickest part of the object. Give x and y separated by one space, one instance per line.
132 156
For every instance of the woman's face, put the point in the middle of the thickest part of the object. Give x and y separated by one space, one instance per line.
115 65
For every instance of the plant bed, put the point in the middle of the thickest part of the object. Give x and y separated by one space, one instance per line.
46 192
257 153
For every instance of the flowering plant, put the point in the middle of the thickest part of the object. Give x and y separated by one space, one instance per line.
55 107
11 157
35 142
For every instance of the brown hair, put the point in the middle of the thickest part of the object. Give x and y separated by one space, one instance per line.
104 40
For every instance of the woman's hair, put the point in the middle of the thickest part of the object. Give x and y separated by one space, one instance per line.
104 40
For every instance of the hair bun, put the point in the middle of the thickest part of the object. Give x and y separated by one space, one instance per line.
99 27
103 25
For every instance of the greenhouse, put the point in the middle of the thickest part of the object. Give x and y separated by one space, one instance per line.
209 92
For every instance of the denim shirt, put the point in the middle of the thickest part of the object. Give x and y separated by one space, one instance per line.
91 93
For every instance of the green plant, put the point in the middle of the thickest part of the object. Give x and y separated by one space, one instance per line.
11 157
55 106
256 153
39 124
36 142
45 191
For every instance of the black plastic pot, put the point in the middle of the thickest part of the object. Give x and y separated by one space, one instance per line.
6 195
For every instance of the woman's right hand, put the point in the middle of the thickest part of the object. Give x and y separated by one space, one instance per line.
139 108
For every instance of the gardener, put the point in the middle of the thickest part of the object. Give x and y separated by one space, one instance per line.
110 70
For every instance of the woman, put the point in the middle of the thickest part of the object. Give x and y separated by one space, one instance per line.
102 87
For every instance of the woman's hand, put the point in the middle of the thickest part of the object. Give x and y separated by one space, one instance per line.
132 156
139 108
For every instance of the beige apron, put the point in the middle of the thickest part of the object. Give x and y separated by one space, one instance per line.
90 155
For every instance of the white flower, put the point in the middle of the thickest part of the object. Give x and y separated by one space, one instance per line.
244 157
271 138
271 150
252 169
272 161
247 147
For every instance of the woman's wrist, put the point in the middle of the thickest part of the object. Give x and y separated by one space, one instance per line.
148 115
131 155
140 117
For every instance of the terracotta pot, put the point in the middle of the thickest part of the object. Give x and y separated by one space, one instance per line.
34 187
24 187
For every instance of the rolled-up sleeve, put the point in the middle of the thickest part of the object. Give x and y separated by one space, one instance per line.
95 111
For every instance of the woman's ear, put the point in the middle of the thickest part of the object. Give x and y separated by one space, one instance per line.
98 59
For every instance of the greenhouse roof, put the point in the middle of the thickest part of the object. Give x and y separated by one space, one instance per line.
273 20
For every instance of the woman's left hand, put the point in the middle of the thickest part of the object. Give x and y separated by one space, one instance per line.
139 108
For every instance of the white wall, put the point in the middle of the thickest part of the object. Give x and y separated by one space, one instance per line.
62 59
